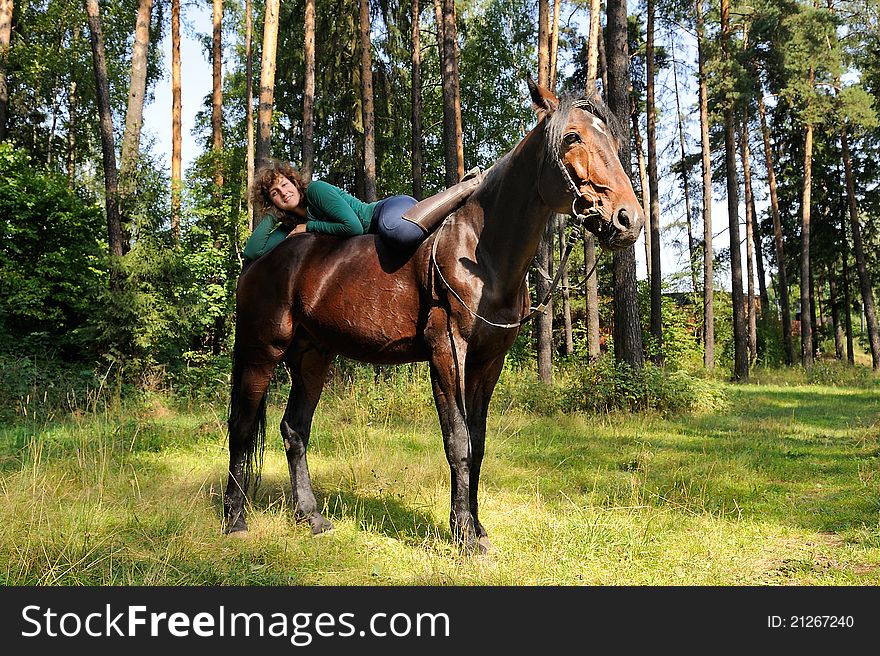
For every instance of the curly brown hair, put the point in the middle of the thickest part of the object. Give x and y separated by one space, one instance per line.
264 178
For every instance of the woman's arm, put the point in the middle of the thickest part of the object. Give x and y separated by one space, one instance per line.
265 237
341 218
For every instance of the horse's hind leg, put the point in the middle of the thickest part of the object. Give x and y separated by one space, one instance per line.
246 431
308 368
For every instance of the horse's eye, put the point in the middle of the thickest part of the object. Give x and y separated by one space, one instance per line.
572 138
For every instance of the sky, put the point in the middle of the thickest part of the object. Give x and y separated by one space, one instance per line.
196 84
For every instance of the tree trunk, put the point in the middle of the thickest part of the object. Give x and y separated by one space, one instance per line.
627 326
643 184
438 17
806 311
176 132
72 125
593 45
56 95
367 104
267 83
566 292
544 257
5 39
847 300
708 262
759 262
543 43
308 127
692 255
134 115
452 136
835 314
217 91
554 43
249 106
108 146
741 353
815 314
859 251
592 295
785 304
750 238
753 232
653 184
417 157
544 320
72 113
603 61
591 285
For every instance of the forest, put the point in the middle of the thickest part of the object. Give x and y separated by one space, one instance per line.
751 135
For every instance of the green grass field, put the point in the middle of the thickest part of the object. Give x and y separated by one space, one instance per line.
780 487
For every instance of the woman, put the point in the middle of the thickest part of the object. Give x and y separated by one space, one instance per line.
291 207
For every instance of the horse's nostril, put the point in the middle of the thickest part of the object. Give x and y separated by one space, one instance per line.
623 218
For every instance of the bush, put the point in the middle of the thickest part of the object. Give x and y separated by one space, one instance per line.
35 388
522 389
835 372
606 386
52 262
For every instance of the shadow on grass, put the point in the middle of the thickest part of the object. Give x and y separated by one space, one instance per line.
798 457
385 515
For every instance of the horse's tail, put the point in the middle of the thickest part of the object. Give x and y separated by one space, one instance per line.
254 439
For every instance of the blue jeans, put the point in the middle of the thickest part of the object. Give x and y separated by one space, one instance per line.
397 233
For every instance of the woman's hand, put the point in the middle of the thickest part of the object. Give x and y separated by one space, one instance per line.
298 229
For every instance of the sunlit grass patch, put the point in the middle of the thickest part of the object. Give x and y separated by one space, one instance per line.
779 487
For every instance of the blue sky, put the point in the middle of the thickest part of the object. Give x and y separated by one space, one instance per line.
195 75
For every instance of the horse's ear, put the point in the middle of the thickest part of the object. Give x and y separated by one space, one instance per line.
543 100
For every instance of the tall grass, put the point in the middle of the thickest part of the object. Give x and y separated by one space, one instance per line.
778 484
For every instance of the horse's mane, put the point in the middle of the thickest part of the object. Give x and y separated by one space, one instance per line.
554 130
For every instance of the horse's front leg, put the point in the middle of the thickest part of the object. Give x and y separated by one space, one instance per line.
447 379
308 368
480 383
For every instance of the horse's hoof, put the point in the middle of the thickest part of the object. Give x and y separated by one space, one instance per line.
241 534
320 525
484 546
238 526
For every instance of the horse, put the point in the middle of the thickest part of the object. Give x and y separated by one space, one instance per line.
457 302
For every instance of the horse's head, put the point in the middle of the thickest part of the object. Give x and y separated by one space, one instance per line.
581 173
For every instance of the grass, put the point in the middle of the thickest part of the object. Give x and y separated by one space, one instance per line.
779 487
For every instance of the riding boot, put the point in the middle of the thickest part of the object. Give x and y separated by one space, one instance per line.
428 213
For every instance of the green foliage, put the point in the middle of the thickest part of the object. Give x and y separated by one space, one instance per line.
682 323
836 373
35 388
825 371
496 55
52 263
771 347
50 55
606 386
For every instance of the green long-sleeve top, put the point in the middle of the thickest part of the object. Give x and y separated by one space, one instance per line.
334 212
329 210
267 235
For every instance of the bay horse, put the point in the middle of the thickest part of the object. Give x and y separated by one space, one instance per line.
457 302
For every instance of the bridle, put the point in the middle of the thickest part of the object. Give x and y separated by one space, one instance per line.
594 213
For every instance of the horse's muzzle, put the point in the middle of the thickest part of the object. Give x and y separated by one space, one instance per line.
622 231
